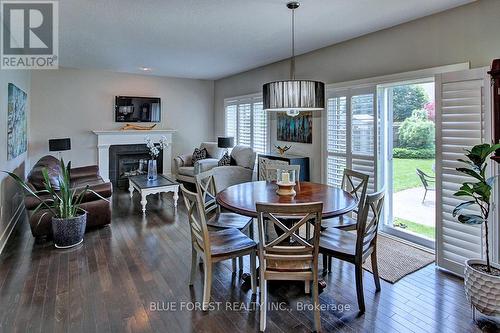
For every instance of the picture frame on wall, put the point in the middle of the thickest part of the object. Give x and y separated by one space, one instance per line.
17 122
295 129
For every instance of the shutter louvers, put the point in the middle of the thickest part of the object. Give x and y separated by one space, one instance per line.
460 125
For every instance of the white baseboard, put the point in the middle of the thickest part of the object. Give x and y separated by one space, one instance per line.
4 238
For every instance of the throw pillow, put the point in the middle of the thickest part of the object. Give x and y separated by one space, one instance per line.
225 160
199 154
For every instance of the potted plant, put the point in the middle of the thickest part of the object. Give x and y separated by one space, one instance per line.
482 278
68 218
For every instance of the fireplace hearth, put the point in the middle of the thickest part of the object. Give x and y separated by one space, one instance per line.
129 160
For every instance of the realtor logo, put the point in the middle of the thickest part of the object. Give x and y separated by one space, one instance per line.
29 34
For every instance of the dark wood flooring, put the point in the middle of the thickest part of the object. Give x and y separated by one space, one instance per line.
113 281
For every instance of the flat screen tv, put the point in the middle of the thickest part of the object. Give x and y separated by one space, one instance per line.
130 109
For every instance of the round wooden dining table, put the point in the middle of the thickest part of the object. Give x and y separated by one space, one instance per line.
241 198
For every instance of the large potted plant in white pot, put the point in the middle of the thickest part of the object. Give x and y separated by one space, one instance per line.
64 203
482 278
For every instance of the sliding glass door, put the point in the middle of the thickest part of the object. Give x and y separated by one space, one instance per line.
408 159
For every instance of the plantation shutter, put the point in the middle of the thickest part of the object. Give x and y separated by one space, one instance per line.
247 122
351 134
462 121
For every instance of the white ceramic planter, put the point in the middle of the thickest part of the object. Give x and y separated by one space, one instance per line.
481 289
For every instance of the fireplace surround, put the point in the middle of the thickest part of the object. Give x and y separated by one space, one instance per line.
107 139
129 160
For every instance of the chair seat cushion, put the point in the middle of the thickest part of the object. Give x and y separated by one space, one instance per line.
186 171
229 220
228 241
337 241
341 222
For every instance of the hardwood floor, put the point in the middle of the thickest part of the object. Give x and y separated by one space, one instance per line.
121 273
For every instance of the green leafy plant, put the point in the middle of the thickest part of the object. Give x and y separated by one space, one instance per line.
415 153
417 131
407 98
63 202
479 193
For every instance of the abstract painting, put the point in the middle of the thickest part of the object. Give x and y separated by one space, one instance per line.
17 122
295 129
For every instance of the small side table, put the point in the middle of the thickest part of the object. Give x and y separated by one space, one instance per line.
145 187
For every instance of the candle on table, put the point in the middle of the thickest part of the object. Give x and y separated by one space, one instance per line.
285 177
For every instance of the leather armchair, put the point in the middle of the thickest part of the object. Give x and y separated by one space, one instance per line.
98 210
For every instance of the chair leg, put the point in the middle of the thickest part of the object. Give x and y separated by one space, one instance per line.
233 265
253 271
263 302
308 230
240 263
425 194
325 263
359 287
194 259
307 287
317 313
375 269
329 263
207 284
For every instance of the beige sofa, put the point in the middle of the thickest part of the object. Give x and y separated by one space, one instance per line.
240 170
185 169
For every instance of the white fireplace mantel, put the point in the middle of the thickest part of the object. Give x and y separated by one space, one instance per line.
106 139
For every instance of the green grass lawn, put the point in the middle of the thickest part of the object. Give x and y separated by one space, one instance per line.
424 230
404 171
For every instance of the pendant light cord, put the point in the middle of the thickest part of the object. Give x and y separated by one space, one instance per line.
292 61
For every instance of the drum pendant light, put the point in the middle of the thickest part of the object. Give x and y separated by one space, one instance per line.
293 96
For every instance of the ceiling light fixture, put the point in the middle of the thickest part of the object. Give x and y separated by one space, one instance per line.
293 96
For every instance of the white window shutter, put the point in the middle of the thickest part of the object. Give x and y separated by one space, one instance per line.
351 134
462 121
247 122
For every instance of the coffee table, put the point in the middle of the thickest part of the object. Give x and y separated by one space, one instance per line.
145 187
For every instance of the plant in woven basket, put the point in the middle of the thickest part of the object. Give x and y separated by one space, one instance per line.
481 278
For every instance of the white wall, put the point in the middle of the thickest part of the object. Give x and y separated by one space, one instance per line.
71 103
10 195
467 33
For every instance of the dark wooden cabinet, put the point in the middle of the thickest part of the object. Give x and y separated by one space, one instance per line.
288 159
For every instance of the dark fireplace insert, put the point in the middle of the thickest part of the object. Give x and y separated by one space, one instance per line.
129 160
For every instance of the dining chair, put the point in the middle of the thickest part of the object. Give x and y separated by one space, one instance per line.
205 186
289 256
356 248
426 181
356 184
214 245
272 170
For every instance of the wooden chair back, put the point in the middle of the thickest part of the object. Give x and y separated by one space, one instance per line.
197 220
368 221
205 186
272 170
280 251
356 183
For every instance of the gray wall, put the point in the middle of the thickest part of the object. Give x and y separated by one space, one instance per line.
72 103
467 33
10 195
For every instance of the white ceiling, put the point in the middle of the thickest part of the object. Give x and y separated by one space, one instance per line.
210 39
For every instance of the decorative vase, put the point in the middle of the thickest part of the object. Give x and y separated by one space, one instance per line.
482 289
68 232
152 170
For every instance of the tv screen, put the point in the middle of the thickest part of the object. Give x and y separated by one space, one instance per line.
129 109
